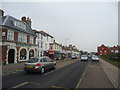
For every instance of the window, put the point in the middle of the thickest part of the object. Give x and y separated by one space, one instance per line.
47 38
41 45
23 54
10 35
112 50
22 38
41 36
116 51
31 53
31 39
45 46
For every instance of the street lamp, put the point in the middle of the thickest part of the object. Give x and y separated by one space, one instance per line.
66 39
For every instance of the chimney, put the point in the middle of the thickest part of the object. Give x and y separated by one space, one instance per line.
27 20
23 19
1 12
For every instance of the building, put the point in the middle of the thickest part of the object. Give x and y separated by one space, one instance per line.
44 42
106 50
114 50
103 50
57 48
18 39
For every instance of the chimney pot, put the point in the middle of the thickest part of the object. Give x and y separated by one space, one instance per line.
1 12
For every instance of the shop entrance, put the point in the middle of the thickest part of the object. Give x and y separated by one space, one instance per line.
11 56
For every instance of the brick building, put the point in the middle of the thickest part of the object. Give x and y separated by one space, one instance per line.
105 50
18 39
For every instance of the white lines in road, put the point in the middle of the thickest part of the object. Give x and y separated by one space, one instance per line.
51 71
22 84
81 77
56 87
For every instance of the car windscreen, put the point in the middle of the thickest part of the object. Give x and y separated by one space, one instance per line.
94 56
84 56
33 60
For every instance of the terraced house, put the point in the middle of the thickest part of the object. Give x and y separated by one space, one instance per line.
18 39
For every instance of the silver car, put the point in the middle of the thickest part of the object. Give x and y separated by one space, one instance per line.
84 58
39 64
95 58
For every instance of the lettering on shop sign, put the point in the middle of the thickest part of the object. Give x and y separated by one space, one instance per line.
21 45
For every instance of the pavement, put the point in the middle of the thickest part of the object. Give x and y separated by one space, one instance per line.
99 75
19 67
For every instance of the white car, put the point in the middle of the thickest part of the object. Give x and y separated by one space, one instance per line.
84 58
95 58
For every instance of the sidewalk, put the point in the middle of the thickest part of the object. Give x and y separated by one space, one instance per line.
18 67
99 75
111 71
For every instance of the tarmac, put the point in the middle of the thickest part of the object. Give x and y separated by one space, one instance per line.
99 75
19 67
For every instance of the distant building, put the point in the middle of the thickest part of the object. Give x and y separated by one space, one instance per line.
106 50
18 39
103 50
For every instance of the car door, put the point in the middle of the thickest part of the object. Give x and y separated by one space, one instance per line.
51 64
46 63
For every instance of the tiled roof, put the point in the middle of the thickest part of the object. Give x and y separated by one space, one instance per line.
9 21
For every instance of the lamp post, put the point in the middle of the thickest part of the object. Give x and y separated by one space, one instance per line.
66 39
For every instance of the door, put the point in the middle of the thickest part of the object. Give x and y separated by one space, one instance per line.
11 56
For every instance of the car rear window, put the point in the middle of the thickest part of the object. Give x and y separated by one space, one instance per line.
33 60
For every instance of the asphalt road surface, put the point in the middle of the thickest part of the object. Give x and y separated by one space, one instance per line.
65 77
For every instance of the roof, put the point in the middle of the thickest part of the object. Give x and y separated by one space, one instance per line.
16 24
43 32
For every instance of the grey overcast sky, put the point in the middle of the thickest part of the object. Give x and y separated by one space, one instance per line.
86 24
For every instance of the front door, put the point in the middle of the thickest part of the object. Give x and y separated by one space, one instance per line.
11 56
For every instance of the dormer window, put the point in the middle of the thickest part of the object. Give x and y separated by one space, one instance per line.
19 25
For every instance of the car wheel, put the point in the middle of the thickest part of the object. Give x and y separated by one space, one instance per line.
54 67
42 70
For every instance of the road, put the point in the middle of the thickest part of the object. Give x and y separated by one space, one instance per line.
65 77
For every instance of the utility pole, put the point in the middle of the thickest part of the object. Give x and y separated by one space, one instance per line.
66 39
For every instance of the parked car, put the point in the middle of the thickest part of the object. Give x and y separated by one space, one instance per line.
39 64
89 56
73 57
84 58
95 58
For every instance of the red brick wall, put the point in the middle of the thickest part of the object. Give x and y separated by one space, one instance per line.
4 52
4 30
16 36
103 49
34 40
28 39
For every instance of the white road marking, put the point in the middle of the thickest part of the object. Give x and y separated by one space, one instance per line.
56 87
50 72
22 84
82 77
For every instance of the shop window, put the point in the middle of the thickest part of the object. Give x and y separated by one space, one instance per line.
31 53
23 54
